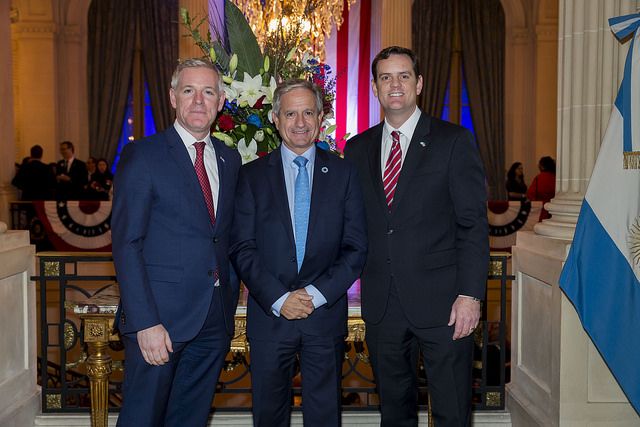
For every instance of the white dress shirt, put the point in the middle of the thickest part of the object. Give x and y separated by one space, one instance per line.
406 133
210 161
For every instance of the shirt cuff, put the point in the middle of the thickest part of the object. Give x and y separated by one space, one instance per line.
470 297
277 306
318 299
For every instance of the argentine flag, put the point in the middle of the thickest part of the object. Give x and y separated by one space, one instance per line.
602 274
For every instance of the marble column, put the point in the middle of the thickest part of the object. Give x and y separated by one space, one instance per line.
589 73
7 141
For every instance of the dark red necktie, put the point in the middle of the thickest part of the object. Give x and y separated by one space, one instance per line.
392 168
204 179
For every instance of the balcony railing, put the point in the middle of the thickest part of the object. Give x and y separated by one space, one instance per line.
65 279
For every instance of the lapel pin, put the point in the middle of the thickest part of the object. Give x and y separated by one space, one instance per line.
423 144
222 159
324 169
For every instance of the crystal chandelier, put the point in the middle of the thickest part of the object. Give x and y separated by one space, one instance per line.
307 19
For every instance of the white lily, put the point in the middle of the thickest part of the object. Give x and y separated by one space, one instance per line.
269 90
230 92
248 152
250 89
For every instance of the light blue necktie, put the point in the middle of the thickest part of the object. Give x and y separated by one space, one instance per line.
301 203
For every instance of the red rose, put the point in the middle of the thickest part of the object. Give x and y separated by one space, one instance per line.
225 122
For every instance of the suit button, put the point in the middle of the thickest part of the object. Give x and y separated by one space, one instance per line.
390 231
293 259
210 273
388 260
215 240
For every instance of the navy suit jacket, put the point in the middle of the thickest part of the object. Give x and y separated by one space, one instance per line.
434 243
165 248
263 247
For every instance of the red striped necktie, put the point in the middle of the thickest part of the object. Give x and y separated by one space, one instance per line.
204 179
392 168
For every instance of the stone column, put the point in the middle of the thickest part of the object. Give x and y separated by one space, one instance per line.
589 73
7 140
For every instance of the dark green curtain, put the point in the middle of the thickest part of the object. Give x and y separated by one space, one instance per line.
112 39
159 34
432 26
482 30
112 34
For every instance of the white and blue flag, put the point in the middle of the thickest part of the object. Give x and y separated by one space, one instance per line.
602 274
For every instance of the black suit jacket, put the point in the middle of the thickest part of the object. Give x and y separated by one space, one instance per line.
74 189
36 180
263 247
433 244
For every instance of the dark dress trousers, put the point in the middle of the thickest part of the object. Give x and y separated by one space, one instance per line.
166 252
264 253
429 248
73 189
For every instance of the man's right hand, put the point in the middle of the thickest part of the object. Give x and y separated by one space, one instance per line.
298 305
155 345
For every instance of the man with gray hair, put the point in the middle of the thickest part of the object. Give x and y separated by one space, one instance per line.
298 242
172 210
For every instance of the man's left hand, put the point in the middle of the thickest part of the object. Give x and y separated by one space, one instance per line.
465 314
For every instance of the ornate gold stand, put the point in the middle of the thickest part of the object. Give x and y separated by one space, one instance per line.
97 333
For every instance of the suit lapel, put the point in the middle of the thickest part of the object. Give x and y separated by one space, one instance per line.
375 152
322 186
279 191
415 153
179 153
223 191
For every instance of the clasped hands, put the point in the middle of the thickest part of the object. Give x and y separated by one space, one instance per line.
298 305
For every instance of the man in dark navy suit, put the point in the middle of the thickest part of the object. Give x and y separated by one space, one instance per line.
71 174
172 210
298 243
425 198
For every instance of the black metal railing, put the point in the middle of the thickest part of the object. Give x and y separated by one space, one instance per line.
65 277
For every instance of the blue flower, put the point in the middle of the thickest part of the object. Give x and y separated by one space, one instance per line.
253 119
323 145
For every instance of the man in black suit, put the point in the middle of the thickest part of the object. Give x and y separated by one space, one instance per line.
34 178
298 243
71 174
425 199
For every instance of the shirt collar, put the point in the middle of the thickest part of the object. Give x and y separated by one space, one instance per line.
408 127
288 156
187 139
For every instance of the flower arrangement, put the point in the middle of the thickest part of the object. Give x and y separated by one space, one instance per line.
250 78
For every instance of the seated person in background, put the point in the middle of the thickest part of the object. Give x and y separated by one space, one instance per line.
543 186
516 187
71 174
101 180
34 178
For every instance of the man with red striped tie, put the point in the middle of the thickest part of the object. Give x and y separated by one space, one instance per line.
425 199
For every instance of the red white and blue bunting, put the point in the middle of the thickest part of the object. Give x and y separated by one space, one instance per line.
77 225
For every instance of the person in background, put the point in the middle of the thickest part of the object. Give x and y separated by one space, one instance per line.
89 192
543 186
71 174
516 187
100 182
34 178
